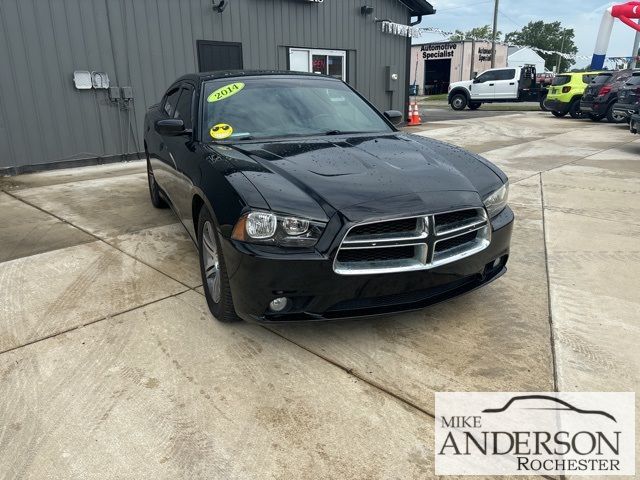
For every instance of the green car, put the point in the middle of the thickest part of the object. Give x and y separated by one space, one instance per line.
565 93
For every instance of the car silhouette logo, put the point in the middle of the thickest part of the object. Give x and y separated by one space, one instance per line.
557 404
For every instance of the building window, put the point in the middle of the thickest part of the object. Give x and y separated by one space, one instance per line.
216 56
326 62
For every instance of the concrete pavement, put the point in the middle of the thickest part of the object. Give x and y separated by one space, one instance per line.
111 365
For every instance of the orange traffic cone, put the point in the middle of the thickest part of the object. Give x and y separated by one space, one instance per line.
414 115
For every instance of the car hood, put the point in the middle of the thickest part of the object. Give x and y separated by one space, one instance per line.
464 83
336 173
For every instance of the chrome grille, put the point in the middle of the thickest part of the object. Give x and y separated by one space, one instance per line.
406 226
414 243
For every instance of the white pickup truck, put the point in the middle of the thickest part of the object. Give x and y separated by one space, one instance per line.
497 85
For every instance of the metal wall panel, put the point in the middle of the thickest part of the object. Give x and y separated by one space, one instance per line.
146 44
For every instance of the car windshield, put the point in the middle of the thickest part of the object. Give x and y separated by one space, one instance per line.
601 78
561 80
270 107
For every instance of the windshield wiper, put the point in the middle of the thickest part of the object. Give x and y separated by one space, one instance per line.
339 132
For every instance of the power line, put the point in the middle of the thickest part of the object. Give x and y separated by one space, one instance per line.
509 18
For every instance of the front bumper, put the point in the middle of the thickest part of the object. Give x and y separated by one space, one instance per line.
556 105
316 292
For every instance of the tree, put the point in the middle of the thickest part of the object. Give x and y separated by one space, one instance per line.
478 33
547 36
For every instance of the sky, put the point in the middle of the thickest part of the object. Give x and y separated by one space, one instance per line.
583 16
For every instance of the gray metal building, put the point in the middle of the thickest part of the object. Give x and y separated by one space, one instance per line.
46 120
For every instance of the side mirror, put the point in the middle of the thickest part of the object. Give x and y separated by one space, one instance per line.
475 80
170 127
394 116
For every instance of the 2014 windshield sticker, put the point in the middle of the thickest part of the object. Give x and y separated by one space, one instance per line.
225 92
221 131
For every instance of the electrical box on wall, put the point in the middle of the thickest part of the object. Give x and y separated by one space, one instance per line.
82 80
100 80
392 78
114 93
127 93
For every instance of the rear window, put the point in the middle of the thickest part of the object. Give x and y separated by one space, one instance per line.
505 74
601 78
561 80
634 80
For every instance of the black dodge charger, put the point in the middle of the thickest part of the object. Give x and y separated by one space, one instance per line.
306 203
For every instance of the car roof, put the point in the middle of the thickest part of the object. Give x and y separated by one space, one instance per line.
205 76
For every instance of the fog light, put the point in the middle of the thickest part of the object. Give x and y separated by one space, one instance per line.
279 304
496 262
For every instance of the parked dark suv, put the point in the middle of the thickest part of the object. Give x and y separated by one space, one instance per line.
628 102
602 93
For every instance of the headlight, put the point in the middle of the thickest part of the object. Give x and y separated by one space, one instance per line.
269 228
261 225
497 201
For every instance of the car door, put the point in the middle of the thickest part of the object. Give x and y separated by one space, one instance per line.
162 163
506 85
182 149
484 86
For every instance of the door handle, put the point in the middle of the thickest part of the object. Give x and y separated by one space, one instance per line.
491 84
512 83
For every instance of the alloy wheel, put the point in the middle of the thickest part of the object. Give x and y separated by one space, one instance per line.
211 261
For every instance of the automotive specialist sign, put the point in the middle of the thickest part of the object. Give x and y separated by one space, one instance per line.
437 51
535 433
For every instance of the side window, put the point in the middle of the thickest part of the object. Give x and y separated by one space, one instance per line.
505 74
184 107
489 76
170 102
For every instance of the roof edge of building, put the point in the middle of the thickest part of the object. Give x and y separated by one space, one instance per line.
419 7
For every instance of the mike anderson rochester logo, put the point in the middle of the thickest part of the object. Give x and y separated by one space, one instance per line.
535 433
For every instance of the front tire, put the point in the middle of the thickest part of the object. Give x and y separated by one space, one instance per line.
459 102
154 190
213 270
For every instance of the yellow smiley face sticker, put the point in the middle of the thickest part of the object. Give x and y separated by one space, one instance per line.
221 131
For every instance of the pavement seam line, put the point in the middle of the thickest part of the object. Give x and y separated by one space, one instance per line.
352 372
549 308
371 383
17 188
92 322
63 220
561 210
568 163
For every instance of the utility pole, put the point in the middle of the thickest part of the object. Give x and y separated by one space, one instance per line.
634 54
495 33
561 51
